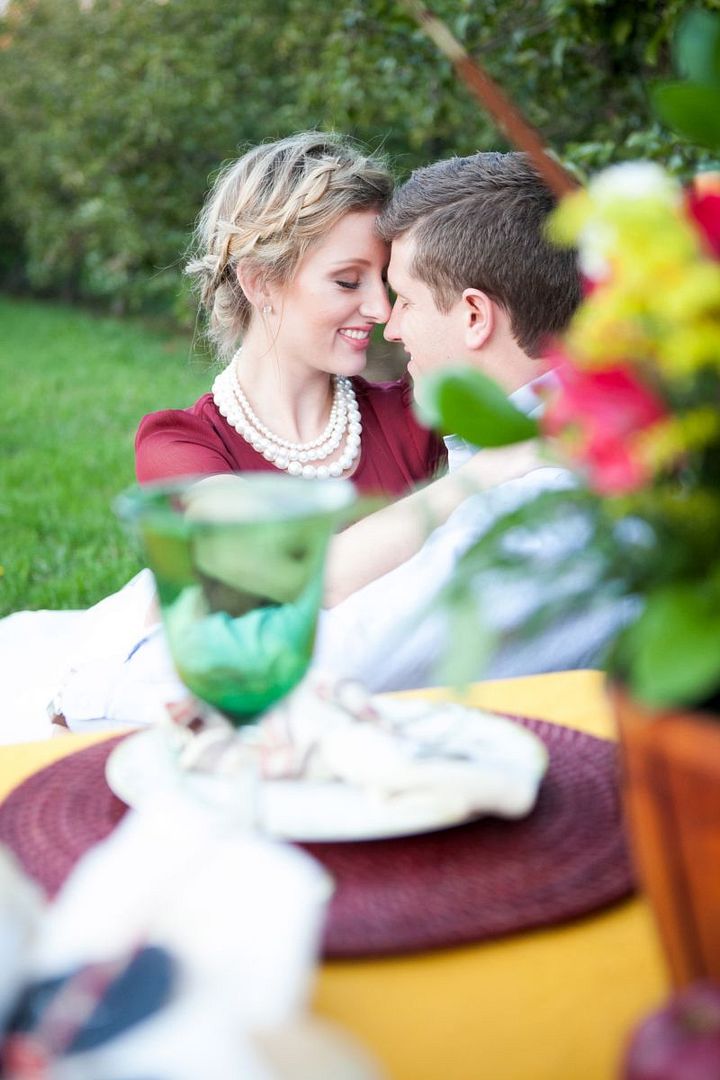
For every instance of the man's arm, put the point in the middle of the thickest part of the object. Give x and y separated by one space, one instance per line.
391 633
383 540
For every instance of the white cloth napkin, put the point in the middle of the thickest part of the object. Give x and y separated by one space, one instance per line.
461 761
21 907
241 915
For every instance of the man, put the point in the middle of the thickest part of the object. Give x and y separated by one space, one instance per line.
477 282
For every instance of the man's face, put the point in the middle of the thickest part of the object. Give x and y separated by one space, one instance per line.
433 339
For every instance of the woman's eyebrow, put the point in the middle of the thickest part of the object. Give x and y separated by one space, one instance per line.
350 262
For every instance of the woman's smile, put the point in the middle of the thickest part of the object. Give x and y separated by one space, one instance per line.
358 338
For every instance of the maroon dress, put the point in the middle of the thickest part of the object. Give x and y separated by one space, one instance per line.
396 451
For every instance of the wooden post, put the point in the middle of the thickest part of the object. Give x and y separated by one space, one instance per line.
508 118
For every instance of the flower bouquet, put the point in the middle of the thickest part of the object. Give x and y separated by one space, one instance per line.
634 414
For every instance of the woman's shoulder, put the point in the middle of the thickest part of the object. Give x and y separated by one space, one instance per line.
200 412
174 442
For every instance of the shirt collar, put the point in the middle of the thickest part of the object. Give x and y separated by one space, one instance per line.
530 398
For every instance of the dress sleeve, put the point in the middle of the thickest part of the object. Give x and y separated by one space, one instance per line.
177 443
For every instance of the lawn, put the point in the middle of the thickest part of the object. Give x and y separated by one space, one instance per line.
74 386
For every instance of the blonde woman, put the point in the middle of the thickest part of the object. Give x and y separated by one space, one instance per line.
291 274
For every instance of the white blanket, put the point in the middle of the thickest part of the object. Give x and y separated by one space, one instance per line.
81 658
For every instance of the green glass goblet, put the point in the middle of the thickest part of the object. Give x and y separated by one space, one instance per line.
238 560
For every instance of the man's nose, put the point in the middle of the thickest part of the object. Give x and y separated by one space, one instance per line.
390 333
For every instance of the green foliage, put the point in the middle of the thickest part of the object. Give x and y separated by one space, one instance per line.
79 387
692 110
113 116
464 402
674 647
692 107
670 651
113 120
540 546
473 644
696 48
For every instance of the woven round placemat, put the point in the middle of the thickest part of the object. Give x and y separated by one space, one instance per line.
469 883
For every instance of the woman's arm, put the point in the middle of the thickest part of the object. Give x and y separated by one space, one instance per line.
387 538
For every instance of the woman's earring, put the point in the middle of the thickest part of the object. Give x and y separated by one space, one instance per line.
267 309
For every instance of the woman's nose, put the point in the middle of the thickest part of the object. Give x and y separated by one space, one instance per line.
376 306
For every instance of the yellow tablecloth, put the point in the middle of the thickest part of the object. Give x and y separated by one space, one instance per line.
548 1005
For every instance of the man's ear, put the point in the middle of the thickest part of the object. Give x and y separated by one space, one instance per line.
479 315
253 285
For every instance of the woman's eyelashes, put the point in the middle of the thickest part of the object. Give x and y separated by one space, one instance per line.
356 284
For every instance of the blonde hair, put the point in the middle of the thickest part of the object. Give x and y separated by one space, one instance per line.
266 209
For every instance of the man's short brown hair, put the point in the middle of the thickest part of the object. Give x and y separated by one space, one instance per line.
480 222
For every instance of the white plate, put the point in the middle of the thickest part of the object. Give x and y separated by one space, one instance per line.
306 810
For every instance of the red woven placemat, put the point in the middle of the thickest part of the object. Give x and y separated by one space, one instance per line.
451 887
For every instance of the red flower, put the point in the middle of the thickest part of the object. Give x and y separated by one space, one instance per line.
605 410
703 204
588 285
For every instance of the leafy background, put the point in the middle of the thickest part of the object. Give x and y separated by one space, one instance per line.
115 113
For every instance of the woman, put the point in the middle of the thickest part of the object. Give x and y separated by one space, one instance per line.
289 262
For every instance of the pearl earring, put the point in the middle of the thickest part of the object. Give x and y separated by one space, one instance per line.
267 309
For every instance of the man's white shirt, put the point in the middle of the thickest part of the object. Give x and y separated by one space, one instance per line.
394 633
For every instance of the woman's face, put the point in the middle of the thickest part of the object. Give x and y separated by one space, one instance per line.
326 314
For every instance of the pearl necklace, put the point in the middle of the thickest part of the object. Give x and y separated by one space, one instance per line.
294 458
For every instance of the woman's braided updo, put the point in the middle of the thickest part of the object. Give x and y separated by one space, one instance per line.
266 209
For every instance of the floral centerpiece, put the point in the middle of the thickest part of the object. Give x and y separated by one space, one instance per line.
638 410
635 416
635 413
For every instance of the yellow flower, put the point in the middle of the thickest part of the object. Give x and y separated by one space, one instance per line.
611 325
686 349
696 293
664 443
628 225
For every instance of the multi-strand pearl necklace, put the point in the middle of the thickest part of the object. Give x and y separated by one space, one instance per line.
298 459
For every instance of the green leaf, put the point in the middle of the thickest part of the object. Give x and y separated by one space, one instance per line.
621 30
691 110
697 48
675 646
470 642
463 401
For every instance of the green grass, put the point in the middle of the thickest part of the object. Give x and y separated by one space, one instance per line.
74 387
